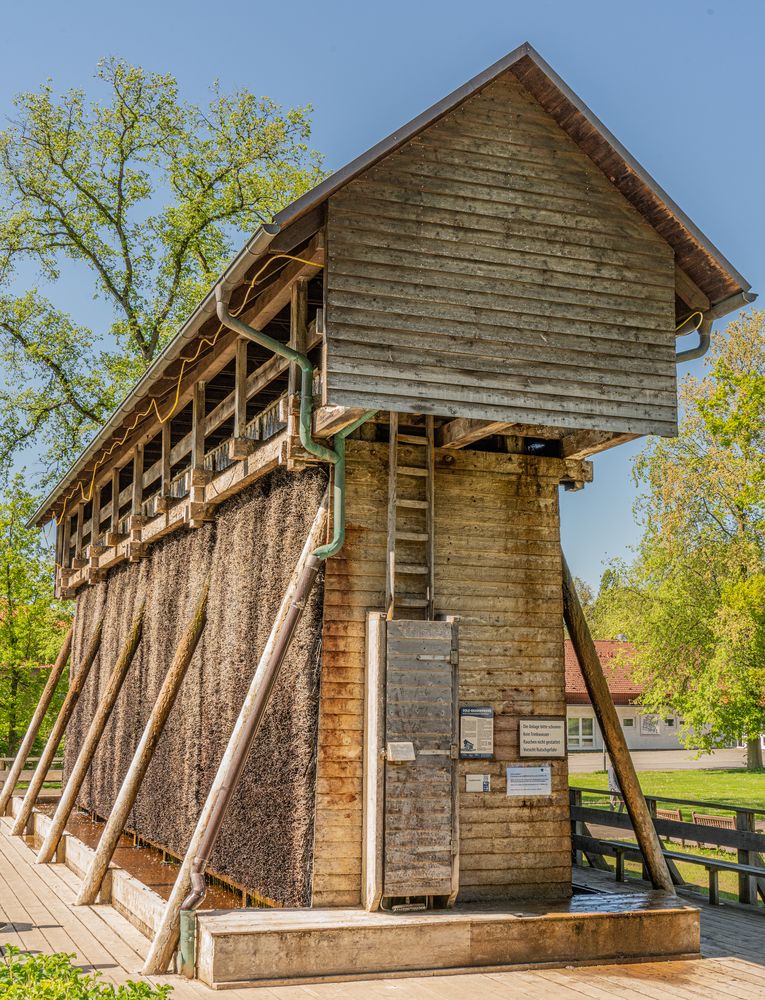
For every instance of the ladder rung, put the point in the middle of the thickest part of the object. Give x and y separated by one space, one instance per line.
411 470
412 602
412 536
412 439
411 568
415 504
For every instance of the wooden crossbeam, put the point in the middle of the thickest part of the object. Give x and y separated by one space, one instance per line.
689 291
584 443
462 431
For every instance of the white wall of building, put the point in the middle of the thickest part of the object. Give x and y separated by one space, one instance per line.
642 731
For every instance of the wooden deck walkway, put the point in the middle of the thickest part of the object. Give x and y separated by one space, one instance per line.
36 903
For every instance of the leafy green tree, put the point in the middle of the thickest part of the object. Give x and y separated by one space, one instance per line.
143 194
32 623
693 601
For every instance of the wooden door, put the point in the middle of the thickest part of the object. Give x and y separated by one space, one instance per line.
420 811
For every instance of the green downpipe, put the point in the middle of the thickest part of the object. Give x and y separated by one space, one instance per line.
336 456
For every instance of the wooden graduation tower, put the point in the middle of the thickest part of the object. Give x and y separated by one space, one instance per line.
484 299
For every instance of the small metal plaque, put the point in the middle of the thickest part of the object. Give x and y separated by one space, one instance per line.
399 752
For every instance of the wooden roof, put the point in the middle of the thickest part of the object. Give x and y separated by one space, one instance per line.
709 270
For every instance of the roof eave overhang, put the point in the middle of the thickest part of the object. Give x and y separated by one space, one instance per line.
572 115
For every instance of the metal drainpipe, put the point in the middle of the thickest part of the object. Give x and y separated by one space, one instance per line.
737 301
337 458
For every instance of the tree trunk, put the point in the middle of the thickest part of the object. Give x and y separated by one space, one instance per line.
754 754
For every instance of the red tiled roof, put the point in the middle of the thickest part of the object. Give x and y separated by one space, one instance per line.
616 658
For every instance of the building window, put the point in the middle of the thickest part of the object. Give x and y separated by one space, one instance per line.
581 733
669 723
628 723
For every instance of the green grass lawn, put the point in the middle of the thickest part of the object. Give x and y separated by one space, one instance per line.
745 789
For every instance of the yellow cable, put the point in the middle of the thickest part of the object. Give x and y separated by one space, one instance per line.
185 361
688 319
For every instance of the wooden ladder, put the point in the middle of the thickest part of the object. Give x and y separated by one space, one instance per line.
409 577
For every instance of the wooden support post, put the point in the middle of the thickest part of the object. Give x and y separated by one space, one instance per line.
600 696
37 719
57 733
163 503
136 496
91 741
299 342
79 560
91 883
240 446
66 543
136 547
198 435
166 937
747 890
113 535
197 512
95 523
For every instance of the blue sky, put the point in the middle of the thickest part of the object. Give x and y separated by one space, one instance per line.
679 82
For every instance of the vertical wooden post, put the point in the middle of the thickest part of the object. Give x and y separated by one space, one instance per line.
91 883
166 937
198 434
197 511
240 446
95 521
113 535
66 543
136 501
747 891
299 342
91 741
37 719
59 728
600 696
164 488
79 561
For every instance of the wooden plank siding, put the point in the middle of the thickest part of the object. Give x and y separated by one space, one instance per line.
497 569
488 269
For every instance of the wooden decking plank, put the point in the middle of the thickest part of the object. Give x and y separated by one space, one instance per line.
40 914
41 884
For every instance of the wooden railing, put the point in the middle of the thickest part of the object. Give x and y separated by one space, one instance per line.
740 837
52 778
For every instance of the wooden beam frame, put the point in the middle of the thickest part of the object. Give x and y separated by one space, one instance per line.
689 291
462 431
260 312
581 444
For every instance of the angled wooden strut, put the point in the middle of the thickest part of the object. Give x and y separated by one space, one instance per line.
92 739
600 696
57 733
94 876
167 934
37 719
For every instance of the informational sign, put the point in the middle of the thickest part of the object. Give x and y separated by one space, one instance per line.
650 725
476 733
529 780
399 752
477 782
542 737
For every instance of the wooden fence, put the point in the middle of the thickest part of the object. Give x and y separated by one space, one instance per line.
52 779
737 834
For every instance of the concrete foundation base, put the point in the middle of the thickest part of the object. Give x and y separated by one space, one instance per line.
298 946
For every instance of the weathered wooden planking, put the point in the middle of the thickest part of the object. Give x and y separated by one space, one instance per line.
420 823
491 230
505 588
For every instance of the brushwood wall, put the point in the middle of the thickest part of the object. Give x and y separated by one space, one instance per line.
249 551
